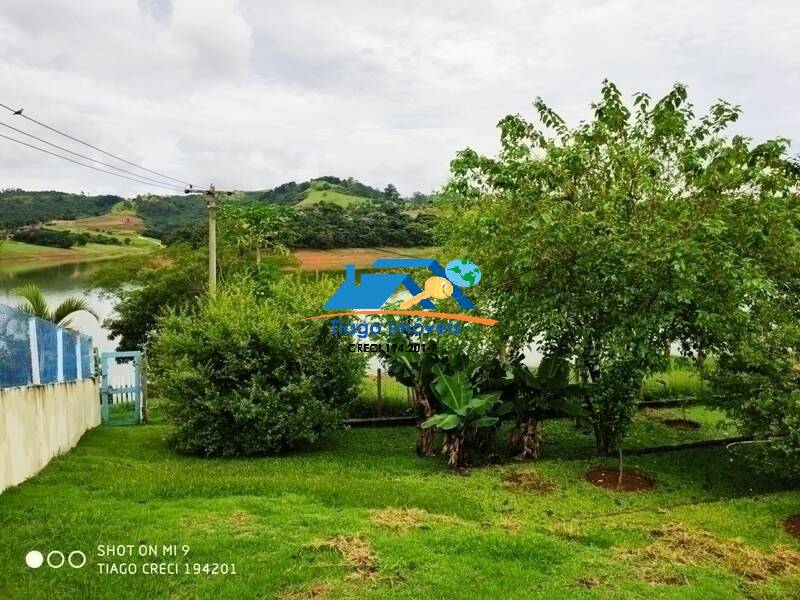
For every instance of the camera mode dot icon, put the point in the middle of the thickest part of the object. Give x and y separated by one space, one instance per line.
34 559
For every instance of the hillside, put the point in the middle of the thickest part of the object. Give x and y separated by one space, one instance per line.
19 208
332 196
181 217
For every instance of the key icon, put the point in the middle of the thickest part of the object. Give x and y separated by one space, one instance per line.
437 288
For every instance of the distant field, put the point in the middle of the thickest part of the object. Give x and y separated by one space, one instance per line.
122 221
331 260
332 196
16 256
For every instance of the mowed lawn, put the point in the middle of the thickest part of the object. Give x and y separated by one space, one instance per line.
363 517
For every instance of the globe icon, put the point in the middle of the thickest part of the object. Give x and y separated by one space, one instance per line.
462 272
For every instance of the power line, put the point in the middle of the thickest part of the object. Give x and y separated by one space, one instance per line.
160 185
94 160
114 156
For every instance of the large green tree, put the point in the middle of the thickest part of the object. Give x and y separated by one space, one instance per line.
610 240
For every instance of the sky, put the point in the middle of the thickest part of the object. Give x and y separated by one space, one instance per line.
250 94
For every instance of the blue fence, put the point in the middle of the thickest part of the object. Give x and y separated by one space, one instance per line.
34 351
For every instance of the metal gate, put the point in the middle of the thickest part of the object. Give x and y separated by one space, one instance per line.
121 387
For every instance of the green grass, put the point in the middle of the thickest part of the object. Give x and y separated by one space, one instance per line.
680 380
476 539
316 196
394 401
18 256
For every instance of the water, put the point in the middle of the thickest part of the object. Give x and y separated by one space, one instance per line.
59 282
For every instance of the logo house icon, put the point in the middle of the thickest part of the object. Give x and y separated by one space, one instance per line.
374 289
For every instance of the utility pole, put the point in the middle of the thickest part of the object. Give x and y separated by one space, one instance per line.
211 203
211 194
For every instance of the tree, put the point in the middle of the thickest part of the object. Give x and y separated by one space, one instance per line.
611 240
36 305
391 194
257 226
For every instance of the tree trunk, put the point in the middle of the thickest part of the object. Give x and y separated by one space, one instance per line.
425 436
258 255
604 437
454 448
531 440
479 445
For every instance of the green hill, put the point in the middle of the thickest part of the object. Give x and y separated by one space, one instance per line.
332 196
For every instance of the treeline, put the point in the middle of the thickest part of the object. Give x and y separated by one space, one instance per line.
41 236
326 226
19 208
163 215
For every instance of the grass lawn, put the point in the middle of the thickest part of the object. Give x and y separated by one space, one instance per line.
363 517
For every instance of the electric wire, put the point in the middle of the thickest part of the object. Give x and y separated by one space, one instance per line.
159 185
80 141
94 160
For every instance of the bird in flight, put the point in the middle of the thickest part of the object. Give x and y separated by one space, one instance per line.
18 112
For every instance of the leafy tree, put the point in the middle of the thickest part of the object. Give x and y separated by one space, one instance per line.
610 240
36 305
174 282
257 226
391 194
757 382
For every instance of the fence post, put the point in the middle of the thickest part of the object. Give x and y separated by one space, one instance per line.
143 391
59 355
79 370
380 402
36 378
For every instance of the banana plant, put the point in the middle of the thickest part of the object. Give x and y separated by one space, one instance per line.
533 396
415 370
462 413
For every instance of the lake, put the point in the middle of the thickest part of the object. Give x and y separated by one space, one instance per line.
57 283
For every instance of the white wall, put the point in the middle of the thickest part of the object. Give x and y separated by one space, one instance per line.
40 422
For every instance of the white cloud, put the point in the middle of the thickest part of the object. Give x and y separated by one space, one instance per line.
253 94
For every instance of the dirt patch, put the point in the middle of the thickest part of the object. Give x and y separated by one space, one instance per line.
335 260
356 553
401 519
528 481
792 525
675 543
682 424
608 478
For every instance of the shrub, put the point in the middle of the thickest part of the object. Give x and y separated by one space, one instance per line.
244 376
758 384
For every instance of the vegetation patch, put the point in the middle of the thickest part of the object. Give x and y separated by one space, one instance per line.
613 479
316 591
792 525
528 481
355 552
401 519
674 543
